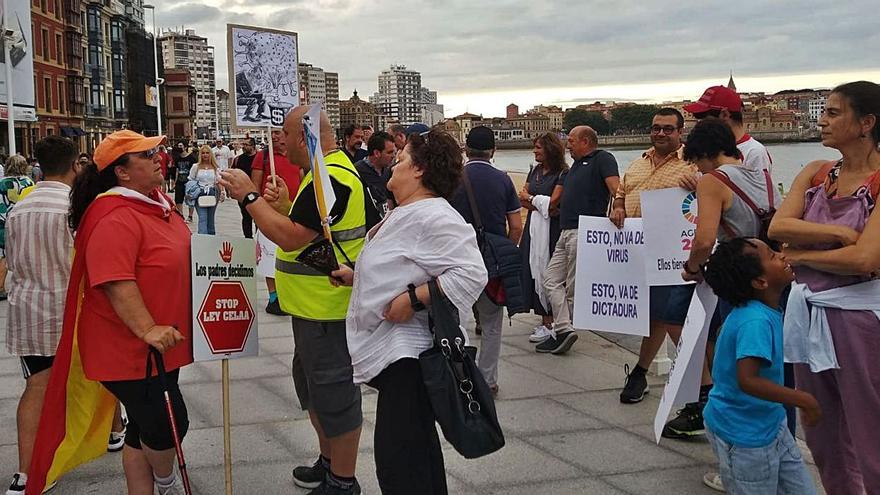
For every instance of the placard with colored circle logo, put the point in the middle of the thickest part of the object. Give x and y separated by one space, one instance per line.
670 220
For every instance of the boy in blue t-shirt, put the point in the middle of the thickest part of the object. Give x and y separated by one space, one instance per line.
745 418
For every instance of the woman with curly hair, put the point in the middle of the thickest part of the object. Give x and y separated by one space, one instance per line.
422 239
540 195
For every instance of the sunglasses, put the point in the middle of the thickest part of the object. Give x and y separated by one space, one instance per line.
149 153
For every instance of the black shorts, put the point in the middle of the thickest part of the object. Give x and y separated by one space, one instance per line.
179 192
31 365
322 375
144 403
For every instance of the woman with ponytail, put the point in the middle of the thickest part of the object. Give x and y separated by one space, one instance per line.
129 292
832 230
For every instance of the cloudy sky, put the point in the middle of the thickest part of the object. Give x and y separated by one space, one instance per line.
481 55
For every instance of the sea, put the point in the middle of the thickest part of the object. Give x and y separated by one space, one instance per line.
788 159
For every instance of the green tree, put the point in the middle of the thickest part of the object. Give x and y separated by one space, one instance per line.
633 119
577 116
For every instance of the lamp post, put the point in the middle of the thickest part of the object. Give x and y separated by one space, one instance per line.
156 64
10 101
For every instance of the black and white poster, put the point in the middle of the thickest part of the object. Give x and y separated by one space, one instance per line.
264 82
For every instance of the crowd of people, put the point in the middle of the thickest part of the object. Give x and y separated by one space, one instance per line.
98 253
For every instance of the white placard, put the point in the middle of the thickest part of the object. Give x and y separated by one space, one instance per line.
264 81
610 290
670 220
21 53
683 383
224 297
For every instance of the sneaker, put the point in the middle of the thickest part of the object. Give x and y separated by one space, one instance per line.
559 344
325 488
635 387
310 476
713 481
687 424
175 488
116 442
274 308
540 334
17 486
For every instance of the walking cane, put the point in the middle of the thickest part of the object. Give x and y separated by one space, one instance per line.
163 381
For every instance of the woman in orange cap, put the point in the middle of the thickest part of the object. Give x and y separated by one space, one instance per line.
132 256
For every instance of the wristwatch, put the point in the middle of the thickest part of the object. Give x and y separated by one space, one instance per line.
249 198
413 300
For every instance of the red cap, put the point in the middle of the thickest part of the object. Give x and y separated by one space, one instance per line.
121 142
717 98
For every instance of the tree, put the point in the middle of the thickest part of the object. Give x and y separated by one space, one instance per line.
577 116
633 119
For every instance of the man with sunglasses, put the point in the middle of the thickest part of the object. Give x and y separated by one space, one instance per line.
660 167
725 103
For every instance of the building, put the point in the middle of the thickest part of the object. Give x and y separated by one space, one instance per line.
223 113
555 113
180 104
318 86
512 111
355 111
332 107
466 122
51 87
816 108
432 114
400 94
534 124
103 106
187 50
507 132
765 119
140 75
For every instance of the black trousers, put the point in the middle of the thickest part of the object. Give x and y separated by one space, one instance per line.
247 223
406 446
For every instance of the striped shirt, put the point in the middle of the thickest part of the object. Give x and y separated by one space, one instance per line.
39 249
643 175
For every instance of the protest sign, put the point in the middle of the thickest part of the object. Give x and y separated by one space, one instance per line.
224 294
683 384
670 221
610 290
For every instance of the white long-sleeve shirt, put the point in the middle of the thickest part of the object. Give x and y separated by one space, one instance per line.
413 244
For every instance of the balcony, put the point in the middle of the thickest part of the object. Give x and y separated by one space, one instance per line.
96 110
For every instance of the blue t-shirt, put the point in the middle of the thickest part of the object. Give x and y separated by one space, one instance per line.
742 420
494 194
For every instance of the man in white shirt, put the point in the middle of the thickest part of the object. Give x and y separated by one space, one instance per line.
725 103
222 154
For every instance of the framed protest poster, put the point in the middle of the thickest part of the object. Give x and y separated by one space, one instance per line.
263 75
669 217
611 293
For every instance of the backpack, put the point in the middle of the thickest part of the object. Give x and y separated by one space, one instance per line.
764 216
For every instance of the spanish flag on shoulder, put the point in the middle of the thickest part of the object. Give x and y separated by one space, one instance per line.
77 412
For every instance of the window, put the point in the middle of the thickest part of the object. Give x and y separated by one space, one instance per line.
59 53
96 55
94 19
116 31
47 89
45 39
50 131
98 95
61 96
178 130
44 6
118 64
177 104
119 100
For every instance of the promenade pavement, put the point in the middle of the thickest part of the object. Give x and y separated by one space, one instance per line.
566 431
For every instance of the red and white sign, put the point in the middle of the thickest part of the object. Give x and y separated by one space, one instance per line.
226 317
224 297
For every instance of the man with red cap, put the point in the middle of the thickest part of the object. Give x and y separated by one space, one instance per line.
725 103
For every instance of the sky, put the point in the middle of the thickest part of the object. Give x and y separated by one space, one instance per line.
480 55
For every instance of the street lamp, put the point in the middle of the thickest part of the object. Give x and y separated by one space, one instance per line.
8 38
156 64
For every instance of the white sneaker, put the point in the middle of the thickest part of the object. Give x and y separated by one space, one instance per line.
19 480
713 481
116 442
540 334
175 488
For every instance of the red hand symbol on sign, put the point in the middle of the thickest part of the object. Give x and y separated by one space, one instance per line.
226 252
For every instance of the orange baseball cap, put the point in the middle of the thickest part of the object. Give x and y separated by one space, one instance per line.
121 142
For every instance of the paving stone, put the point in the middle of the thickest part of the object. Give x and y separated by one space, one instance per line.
517 382
541 415
673 481
609 451
606 406
564 487
516 463
583 372
696 448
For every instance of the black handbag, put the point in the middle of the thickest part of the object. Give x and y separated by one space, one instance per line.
460 397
